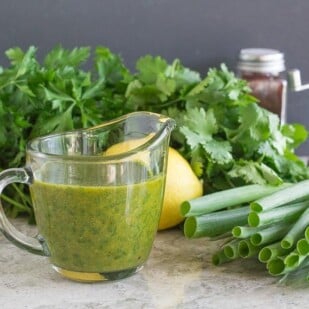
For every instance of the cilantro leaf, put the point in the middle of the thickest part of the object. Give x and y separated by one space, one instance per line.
253 128
296 134
182 76
254 172
200 129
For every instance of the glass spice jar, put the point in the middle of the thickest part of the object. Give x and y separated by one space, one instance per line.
263 69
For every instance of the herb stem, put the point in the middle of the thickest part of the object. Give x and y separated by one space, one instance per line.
20 206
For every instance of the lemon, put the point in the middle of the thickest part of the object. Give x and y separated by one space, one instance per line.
181 182
181 185
128 145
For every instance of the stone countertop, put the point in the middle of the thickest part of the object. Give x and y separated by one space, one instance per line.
178 274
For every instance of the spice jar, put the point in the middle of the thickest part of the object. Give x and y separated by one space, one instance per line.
263 69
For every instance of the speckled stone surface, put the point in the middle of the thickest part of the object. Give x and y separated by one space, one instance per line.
178 274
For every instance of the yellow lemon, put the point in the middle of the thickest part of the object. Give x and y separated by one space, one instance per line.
127 145
181 182
181 185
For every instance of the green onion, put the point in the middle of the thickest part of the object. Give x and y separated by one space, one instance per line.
231 249
299 276
293 260
227 198
287 213
307 233
272 251
286 195
220 258
216 223
247 249
270 234
303 247
281 265
276 266
296 232
270 228
245 231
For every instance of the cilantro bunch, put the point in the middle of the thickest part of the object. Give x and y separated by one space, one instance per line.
227 138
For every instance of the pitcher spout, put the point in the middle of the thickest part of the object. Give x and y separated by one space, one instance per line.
134 132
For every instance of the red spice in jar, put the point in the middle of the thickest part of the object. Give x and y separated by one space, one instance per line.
262 69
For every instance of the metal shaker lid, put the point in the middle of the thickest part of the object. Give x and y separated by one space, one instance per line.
261 60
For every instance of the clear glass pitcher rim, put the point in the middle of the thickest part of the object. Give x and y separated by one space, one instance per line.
168 124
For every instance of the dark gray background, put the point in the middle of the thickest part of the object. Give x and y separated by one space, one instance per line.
202 33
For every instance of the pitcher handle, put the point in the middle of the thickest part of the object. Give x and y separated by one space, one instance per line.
31 244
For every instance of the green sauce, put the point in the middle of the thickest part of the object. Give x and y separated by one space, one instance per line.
98 229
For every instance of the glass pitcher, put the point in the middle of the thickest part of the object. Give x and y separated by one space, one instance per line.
97 195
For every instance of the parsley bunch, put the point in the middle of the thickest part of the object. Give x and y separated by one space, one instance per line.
228 139
56 95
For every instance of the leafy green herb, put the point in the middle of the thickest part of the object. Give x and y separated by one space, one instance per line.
58 95
227 137
222 131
